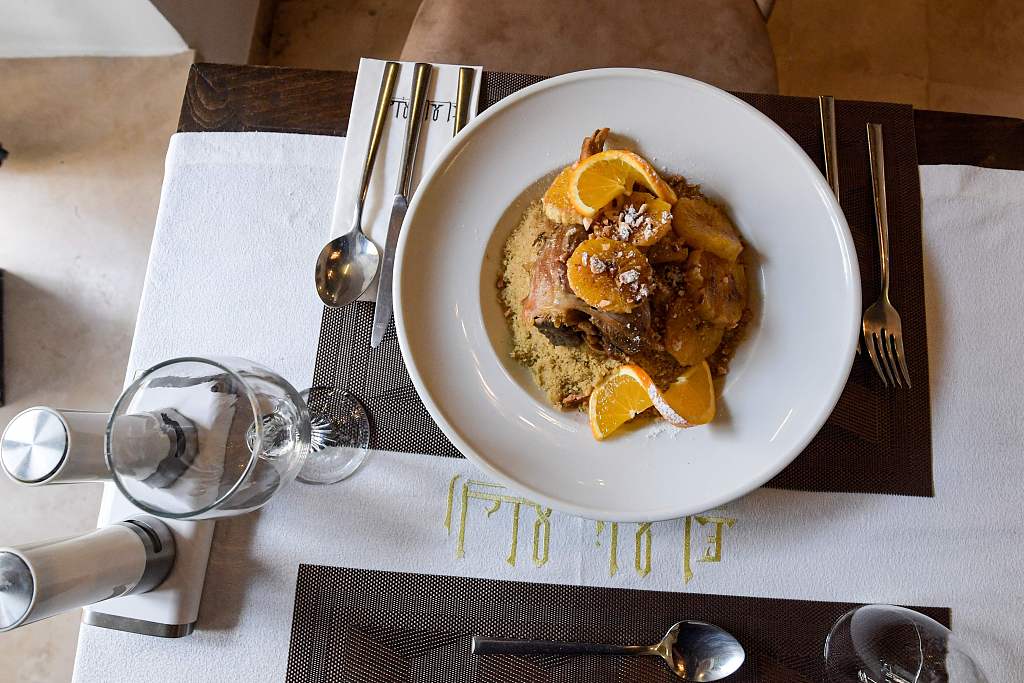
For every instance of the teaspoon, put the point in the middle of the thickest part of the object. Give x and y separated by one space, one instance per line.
693 650
347 264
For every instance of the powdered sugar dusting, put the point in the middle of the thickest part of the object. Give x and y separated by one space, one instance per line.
663 407
660 428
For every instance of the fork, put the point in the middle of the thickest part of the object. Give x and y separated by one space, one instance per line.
883 334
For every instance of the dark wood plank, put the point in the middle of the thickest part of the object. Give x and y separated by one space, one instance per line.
220 97
971 139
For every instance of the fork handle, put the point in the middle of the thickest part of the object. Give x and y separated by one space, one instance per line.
876 152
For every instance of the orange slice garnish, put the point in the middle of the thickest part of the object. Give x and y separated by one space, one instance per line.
619 398
600 178
690 400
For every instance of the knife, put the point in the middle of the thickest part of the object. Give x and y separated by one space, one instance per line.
414 126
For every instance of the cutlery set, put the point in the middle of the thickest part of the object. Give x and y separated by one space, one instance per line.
881 327
349 264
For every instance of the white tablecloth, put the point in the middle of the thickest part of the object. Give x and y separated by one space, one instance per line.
961 549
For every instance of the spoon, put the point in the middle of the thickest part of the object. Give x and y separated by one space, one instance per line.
693 650
347 264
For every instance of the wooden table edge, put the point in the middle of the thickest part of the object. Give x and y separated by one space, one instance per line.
235 98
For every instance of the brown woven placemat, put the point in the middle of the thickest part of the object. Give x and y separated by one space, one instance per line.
361 625
876 440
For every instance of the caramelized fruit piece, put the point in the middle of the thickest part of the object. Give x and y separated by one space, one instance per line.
557 203
687 336
610 275
643 220
669 249
704 226
600 178
718 288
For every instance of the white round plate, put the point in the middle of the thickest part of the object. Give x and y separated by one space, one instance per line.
786 376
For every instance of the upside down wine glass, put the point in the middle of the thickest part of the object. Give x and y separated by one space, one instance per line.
199 438
890 644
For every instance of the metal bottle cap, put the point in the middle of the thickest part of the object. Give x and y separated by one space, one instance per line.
34 445
17 589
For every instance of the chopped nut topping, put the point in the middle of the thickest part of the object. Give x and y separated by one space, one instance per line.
629 277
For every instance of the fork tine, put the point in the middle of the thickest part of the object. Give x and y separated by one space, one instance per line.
901 357
888 354
869 343
883 357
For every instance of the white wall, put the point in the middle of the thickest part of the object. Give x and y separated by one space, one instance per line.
61 28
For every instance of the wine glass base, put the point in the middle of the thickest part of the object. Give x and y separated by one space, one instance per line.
883 643
340 439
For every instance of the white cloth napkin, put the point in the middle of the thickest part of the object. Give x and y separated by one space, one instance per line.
963 549
437 132
242 217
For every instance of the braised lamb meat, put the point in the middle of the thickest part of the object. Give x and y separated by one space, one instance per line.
564 318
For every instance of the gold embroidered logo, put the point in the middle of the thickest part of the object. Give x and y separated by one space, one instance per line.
703 535
711 545
482 490
642 544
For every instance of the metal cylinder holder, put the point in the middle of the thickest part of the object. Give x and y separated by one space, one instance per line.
40 580
47 446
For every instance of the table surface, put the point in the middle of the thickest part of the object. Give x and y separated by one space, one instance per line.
227 98
248 597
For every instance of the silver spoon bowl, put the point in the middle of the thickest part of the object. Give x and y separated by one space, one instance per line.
346 266
693 650
697 651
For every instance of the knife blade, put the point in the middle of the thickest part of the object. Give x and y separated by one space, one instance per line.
414 126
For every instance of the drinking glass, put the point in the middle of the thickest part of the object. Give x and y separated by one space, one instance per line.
890 644
200 438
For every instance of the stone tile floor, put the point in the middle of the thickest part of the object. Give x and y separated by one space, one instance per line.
87 139
79 192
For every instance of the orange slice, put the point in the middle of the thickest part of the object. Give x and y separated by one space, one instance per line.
619 398
557 203
600 178
610 275
690 401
